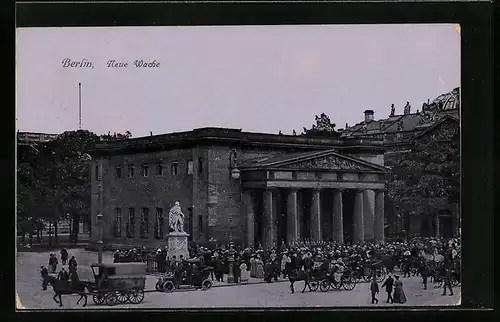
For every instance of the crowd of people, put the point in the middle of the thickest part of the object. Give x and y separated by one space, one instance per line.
426 257
70 277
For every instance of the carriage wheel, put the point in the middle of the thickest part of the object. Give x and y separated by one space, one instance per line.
336 285
168 286
110 298
159 286
314 285
348 283
136 295
122 297
324 286
98 299
206 285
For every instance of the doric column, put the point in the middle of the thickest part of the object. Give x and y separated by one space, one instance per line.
368 214
250 217
268 220
292 229
379 216
438 228
316 215
359 233
338 219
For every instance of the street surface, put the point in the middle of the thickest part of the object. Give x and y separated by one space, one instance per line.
254 294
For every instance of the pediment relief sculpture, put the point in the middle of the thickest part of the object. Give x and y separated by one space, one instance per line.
330 162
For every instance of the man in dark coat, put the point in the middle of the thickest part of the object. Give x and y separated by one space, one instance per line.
388 284
425 271
45 274
72 262
447 281
63 275
374 290
64 256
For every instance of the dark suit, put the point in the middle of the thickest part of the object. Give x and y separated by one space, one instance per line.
388 284
374 289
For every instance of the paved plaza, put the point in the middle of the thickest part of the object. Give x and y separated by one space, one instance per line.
255 294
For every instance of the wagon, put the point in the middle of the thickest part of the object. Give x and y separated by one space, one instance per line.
118 283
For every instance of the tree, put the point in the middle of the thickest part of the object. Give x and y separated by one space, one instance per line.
57 174
323 127
428 177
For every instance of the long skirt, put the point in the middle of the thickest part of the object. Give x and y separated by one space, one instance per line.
260 271
399 295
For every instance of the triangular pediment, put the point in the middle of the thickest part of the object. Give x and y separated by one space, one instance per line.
323 160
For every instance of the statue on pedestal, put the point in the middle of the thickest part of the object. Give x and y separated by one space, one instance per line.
176 218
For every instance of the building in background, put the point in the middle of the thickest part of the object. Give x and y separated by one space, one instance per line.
25 138
397 131
251 188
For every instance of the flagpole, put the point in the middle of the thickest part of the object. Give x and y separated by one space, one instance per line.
80 105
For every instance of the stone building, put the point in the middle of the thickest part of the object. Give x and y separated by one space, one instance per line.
398 131
232 185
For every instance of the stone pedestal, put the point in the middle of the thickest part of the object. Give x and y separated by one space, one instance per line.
177 244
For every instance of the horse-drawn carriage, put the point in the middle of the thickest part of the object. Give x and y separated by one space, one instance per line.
118 283
194 273
336 279
366 270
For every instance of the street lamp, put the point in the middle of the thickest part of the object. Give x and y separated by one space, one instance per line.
230 276
99 242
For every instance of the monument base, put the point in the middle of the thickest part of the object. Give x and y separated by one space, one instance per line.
177 245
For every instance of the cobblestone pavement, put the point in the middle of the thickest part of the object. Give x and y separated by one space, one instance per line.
254 294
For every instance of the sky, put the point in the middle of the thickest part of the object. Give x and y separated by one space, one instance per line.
255 78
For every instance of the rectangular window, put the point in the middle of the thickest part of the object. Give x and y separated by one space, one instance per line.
174 169
131 223
145 170
97 172
159 223
200 165
200 224
159 169
131 170
190 167
118 223
144 223
118 171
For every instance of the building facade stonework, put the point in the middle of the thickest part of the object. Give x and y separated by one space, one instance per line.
436 120
251 188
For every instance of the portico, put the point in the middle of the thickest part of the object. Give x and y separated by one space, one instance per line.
313 196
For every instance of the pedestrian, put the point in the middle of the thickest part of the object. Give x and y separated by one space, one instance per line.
399 294
53 263
72 264
388 284
447 281
64 256
45 274
374 290
425 274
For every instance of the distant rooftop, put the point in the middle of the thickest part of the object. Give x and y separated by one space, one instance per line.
445 105
25 137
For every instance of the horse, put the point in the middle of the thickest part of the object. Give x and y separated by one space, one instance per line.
299 275
62 287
